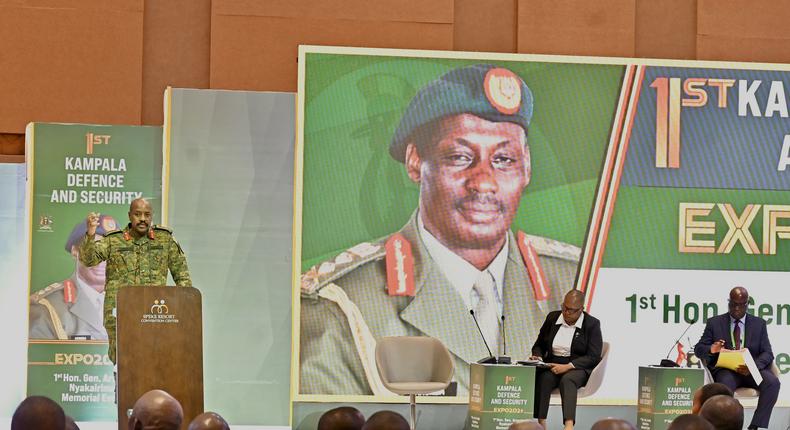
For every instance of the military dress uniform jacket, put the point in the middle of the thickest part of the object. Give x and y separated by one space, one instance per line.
345 308
60 312
134 262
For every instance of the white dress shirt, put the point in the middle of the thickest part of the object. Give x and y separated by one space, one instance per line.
96 300
462 274
561 347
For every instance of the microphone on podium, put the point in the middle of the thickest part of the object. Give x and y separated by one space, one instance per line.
666 362
504 358
490 359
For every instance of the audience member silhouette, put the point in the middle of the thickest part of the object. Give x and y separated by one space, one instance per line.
724 412
156 410
342 418
70 424
612 424
40 413
690 422
526 425
706 392
209 421
386 420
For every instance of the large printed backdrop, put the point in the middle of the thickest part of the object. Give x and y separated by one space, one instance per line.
354 192
73 170
702 207
672 177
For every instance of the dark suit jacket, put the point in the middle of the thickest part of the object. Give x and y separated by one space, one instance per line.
718 327
586 345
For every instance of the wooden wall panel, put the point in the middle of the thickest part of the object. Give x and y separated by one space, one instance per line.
254 45
485 25
12 144
738 30
68 61
176 47
577 27
666 29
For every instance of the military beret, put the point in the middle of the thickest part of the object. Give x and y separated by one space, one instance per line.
490 92
106 223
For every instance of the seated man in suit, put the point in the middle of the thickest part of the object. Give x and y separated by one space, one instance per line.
735 330
570 341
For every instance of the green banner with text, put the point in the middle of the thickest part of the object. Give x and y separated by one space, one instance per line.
75 169
499 396
664 394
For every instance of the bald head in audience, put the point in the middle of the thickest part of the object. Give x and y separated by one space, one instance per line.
690 422
156 410
724 412
342 418
612 424
209 421
40 413
386 420
526 425
706 392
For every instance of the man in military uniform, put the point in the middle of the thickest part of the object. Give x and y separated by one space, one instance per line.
72 309
139 255
463 140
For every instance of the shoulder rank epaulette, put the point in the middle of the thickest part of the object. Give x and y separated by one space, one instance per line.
554 248
319 275
534 247
163 228
112 232
40 294
40 298
400 266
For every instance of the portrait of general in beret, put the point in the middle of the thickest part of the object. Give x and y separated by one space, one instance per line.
464 147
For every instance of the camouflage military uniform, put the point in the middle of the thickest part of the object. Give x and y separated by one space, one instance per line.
345 298
134 262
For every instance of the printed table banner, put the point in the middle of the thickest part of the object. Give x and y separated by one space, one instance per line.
500 396
664 394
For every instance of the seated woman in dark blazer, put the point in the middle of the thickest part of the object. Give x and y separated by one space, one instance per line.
570 341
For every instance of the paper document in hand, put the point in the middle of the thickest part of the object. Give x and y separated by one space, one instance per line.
731 359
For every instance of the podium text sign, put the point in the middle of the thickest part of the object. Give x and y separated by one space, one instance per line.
500 395
160 346
665 393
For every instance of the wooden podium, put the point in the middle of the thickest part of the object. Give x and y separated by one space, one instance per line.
160 346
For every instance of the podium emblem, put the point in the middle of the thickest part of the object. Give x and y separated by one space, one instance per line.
159 307
159 313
